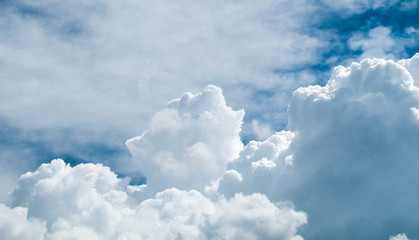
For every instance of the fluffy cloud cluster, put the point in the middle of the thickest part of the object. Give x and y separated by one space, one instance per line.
350 156
190 142
348 160
259 167
355 149
80 78
400 236
14 224
89 201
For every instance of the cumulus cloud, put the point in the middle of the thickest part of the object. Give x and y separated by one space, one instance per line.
190 142
96 72
200 133
92 74
89 201
236 219
14 224
412 66
260 167
355 143
400 236
348 158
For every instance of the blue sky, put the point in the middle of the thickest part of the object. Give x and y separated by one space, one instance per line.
78 79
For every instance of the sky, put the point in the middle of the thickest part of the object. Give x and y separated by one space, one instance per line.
236 119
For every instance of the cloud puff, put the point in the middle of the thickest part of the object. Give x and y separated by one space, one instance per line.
348 159
351 152
400 236
259 168
255 217
14 224
96 72
412 66
88 201
190 142
355 148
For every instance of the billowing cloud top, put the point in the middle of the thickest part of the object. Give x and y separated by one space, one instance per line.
350 153
190 142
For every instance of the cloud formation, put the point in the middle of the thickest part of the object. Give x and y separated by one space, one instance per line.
78 79
349 157
78 70
89 201
81 77
190 142
347 160
400 236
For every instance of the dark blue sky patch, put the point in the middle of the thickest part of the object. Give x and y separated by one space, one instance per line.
344 27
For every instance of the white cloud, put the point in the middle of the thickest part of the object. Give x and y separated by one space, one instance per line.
400 236
412 65
260 167
189 143
88 201
85 198
96 72
255 217
14 224
355 143
347 160
348 155
73 64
